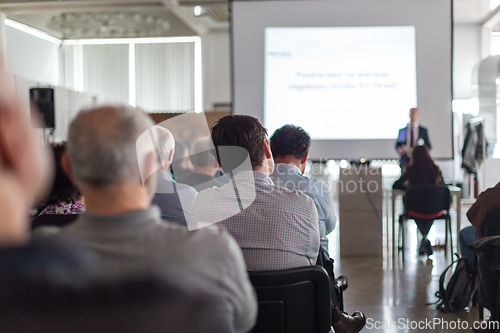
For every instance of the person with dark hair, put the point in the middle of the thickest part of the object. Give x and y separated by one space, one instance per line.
204 167
421 171
276 228
486 202
64 203
290 147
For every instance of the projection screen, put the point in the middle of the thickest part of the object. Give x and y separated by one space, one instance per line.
347 71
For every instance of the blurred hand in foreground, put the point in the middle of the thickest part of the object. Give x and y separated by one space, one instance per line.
24 166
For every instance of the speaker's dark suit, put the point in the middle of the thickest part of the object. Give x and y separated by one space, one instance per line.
403 136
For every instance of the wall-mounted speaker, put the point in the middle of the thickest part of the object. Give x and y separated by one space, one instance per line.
42 107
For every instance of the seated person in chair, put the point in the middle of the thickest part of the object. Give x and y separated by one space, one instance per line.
290 147
485 219
421 171
485 204
173 198
110 154
205 167
180 162
65 201
279 229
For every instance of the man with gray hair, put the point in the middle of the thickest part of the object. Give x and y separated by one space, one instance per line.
174 199
204 167
108 156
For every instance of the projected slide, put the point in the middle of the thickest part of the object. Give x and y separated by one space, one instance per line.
341 83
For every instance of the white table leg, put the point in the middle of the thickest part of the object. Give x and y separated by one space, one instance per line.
458 210
393 200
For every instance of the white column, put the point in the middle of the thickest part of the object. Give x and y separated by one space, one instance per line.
3 39
486 41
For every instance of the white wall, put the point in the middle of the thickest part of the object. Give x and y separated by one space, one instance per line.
217 66
31 57
28 57
216 69
67 104
33 61
466 55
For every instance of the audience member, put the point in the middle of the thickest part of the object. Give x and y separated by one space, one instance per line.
486 202
275 214
290 147
24 175
173 198
181 165
421 171
47 283
280 228
65 201
128 234
204 167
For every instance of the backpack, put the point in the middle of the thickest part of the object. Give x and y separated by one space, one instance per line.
460 289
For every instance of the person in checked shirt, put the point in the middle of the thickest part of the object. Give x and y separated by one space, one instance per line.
275 227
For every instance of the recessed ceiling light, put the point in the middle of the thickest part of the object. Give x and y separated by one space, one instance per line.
197 11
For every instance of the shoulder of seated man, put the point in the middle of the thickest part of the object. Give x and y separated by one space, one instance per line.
214 229
185 187
307 185
291 193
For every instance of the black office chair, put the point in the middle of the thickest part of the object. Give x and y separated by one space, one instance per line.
427 203
492 224
488 249
294 300
488 265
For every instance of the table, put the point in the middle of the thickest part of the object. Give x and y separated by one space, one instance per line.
456 194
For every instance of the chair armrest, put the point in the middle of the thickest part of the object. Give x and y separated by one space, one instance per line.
485 243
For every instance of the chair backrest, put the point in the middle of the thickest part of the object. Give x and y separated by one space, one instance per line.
294 300
427 199
492 224
488 272
492 228
489 261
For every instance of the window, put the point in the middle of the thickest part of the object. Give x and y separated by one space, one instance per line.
155 74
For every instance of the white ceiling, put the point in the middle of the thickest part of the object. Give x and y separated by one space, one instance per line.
181 17
471 11
39 21
180 12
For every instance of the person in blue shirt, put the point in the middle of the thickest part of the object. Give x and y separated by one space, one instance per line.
290 147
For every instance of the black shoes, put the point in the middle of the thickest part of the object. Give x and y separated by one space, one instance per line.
343 323
425 247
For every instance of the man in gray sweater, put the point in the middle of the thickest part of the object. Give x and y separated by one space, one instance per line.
109 151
